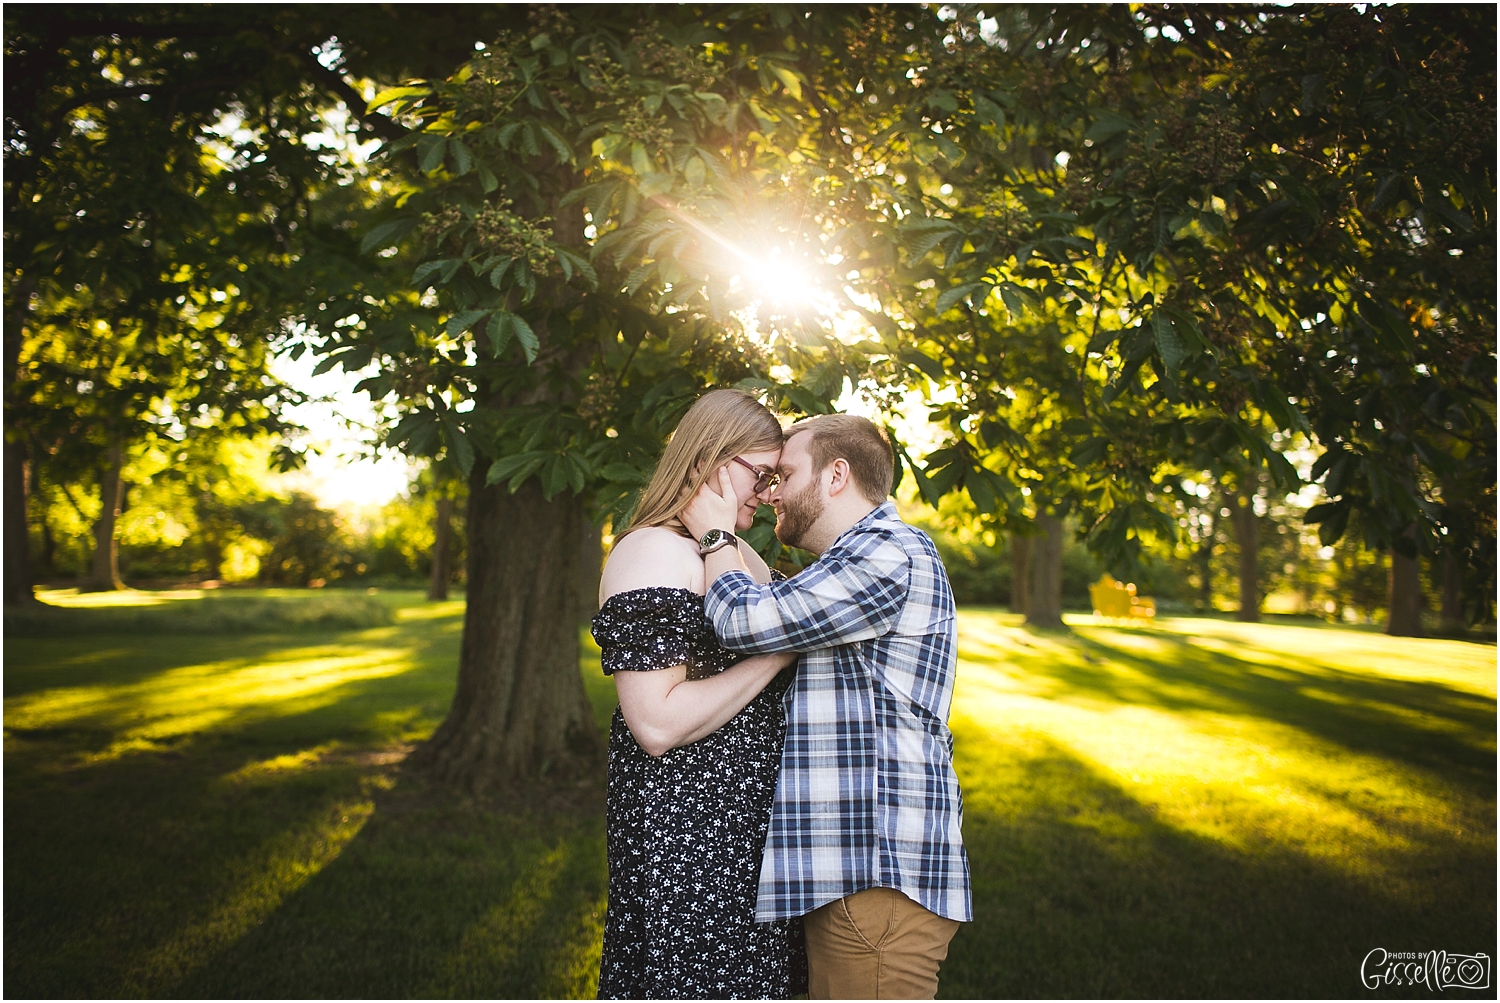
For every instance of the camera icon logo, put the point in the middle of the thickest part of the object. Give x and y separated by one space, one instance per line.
1464 971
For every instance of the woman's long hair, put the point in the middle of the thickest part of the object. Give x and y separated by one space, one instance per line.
719 426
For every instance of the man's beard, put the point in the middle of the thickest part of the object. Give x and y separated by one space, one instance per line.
799 512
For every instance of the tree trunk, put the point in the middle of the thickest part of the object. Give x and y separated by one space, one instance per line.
17 473
18 570
590 570
1044 608
1247 535
1205 557
104 571
1404 599
1020 573
1453 619
520 713
442 532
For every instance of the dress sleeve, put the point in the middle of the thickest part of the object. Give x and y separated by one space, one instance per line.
645 630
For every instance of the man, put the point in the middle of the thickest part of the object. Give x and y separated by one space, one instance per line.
864 840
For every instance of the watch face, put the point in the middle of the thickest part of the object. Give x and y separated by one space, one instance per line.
712 537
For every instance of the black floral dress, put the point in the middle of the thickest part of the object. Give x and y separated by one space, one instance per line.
686 830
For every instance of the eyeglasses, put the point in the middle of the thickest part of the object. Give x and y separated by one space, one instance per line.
765 479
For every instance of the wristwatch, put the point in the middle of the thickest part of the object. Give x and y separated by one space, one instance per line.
716 539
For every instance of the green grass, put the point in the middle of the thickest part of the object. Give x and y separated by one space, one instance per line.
1199 808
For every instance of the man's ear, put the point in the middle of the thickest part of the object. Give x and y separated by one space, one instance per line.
838 477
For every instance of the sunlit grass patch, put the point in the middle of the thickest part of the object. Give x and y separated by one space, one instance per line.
66 613
1157 797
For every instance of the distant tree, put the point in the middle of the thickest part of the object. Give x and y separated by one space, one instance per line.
1234 234
158 189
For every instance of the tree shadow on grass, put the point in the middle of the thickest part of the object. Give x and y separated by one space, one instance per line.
275 852
1419 722
1082 891
436 897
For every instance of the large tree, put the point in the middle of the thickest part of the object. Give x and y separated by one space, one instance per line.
602 215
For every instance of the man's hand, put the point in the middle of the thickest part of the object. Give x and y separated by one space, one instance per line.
712 507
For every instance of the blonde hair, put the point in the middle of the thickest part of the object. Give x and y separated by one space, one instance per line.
718 427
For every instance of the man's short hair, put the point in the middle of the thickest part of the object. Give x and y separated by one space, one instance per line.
855 440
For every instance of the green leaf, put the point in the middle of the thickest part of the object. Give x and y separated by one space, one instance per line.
463 160
461 322
564 151
957 293
499 332
572 262
577 476
498 272
430 152
623 473
926 363
924 484
988 111
444 268
1107 125
554 477
390 94
387 233
459 447
512 465
803 399
981 493
526 336
789 79
1168 342
1009 293
1332 519
487 179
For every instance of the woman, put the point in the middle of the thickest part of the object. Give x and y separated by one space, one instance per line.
695 745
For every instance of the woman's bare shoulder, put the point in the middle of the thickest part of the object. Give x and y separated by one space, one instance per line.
654 557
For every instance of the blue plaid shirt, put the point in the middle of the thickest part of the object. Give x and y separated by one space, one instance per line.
867 796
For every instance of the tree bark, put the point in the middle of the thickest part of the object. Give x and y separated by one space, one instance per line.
442 545
1205 557
520 713
1247 535
18 570
1404 598
590 569
1453 619
17 474
104 570
1044 608
1020 573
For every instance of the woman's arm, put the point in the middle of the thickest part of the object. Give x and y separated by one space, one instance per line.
665 709
754 564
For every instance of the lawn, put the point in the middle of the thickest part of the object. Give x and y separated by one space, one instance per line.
206 802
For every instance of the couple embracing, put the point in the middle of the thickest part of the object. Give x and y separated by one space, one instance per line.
783 815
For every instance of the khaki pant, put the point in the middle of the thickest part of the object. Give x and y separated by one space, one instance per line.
875 945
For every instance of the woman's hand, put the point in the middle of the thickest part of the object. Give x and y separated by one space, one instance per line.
715 506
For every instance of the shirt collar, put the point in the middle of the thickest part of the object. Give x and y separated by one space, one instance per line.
884 512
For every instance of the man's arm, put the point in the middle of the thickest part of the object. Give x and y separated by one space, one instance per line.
853 593
843 598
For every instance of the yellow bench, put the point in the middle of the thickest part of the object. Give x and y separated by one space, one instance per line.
1118 601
